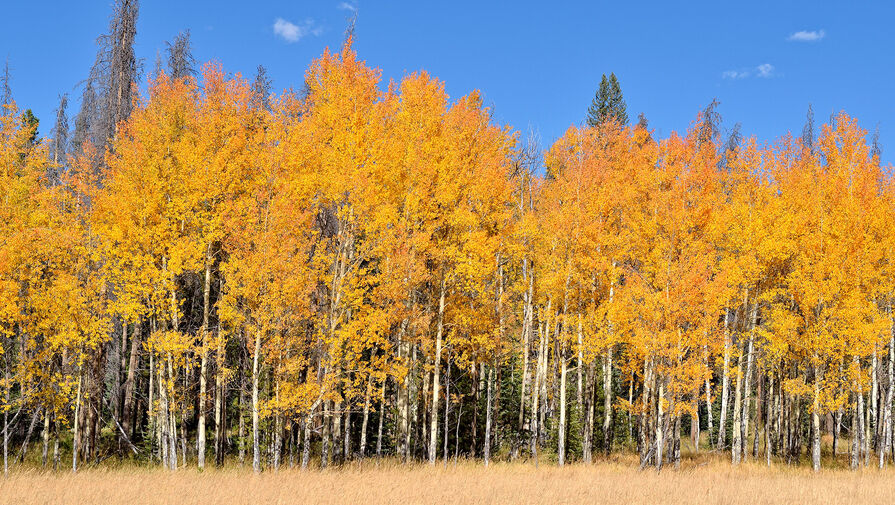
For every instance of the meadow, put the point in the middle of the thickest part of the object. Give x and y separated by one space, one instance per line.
709 479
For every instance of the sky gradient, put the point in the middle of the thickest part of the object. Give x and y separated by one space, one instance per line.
537 64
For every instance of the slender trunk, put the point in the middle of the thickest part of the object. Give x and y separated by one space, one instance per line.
815 424
725 384
837 431
336 433
737 434
708 409
759 419
588 442
152 410
381 418
203 366
346 437
447 407
129 412
75 433
6 421
403 397
324 436
172 422
256 447
561 431
607 402
607 380
872 412
676 440
770 416
218 406
121 370
526 332
486 444
366 418
277 434
45 435
55 446
579 371
543 406
857 424
414 395
747 388
694 426
887 407
242 410
660 441
645 413
436 379
306 441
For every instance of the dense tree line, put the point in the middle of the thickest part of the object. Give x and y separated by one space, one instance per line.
359 270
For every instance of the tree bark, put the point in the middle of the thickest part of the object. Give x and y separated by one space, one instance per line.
815 424
561 432
366 418
45 435
737 434
660 431
382 407
887 407
75 432
447 407
747 389
203 366
486 444
129 414
256 447
607 402
725 384
436 379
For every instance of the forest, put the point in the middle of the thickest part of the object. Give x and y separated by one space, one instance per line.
204 272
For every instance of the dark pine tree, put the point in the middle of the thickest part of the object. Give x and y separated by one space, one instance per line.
609 103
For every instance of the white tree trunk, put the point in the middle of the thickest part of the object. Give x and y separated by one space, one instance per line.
815 425
737 442
256 446
203 367
488 416
725 384
436 379
561 432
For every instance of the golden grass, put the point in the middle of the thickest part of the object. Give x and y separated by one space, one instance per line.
711 482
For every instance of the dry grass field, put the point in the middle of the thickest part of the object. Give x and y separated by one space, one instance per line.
712 482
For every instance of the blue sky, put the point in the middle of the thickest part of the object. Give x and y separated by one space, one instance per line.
537 63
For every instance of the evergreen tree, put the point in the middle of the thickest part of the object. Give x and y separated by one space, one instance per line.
29 123
642 122
608 103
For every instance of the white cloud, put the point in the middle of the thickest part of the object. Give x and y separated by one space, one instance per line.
765 70
348 6
807 36
735 74
291 32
